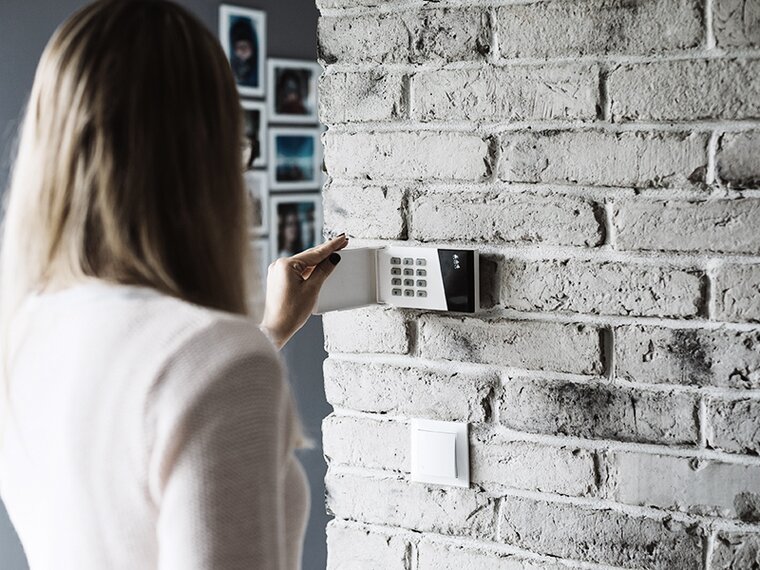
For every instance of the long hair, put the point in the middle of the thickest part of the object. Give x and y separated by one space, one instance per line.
129 166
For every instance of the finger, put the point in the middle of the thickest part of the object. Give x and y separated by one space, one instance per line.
322 271
317 254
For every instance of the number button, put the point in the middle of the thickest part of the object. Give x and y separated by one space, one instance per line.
408 272
395 281
421 293
408 282
395 271
421 283
396 292
421 273
395 260
408 293
408 261
421 261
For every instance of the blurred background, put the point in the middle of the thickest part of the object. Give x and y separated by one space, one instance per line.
25 26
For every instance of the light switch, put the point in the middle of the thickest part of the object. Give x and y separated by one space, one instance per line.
440 453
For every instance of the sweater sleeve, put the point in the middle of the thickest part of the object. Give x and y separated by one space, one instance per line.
217 469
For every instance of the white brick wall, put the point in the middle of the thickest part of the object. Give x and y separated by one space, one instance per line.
604 157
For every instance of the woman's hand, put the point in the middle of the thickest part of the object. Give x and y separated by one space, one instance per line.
293 285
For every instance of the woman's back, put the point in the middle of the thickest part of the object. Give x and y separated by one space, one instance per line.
143 420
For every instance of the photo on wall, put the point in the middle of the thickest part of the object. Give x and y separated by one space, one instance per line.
295 159
255 124
296 223
292 90
242 33
256 187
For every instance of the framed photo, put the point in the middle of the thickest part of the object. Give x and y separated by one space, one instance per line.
243 35
292 90
254 117
256 185
296 223
295 161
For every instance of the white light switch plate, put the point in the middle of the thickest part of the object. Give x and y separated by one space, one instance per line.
440 453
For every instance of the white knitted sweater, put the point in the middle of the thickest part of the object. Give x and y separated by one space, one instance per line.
149 433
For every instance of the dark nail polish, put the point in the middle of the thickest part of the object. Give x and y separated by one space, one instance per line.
334 258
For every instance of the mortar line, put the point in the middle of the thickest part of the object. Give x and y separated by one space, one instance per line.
709 545
711 273
610 231
709 31
702 423
499 516
711 175
414 555
595 445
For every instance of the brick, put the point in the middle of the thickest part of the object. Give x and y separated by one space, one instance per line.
532 345
354 546
734 425
493 217
571 28
736 551
412 36
391 501
736 23
373 212
413 392
737 293
446 556
356 97
736 159
513 93
382 331
599 411
628 158
685 90
723 358
365 442
407 155
603 536
606 288
500 462
686 484
721 226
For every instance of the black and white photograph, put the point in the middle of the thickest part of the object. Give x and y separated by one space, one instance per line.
295 159
296 223
256 187
292 90
255 125
242 33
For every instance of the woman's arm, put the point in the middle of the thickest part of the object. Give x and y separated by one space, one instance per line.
293 285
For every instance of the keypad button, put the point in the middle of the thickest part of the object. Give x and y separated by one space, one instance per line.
421 283
421 293
421 261
421 273
408 282
408 261
396 260
395 271
408 272
396 292
395 281
408 293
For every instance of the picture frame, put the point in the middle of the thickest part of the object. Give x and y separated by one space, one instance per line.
292 90
296 223
295 158
258 195
243 35
255 121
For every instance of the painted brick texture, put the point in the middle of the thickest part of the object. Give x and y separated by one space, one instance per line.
604 157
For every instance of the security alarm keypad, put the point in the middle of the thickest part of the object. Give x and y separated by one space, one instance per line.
409 277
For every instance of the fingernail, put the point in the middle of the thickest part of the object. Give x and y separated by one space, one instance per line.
334 258
340 235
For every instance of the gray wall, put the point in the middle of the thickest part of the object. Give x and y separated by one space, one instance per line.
24 29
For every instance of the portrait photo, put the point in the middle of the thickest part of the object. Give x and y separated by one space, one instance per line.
242 33
258 196
296 223
295 159
292 90
255 125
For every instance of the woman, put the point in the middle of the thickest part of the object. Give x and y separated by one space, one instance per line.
148 424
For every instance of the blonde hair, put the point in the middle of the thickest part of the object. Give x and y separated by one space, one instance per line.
128 167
